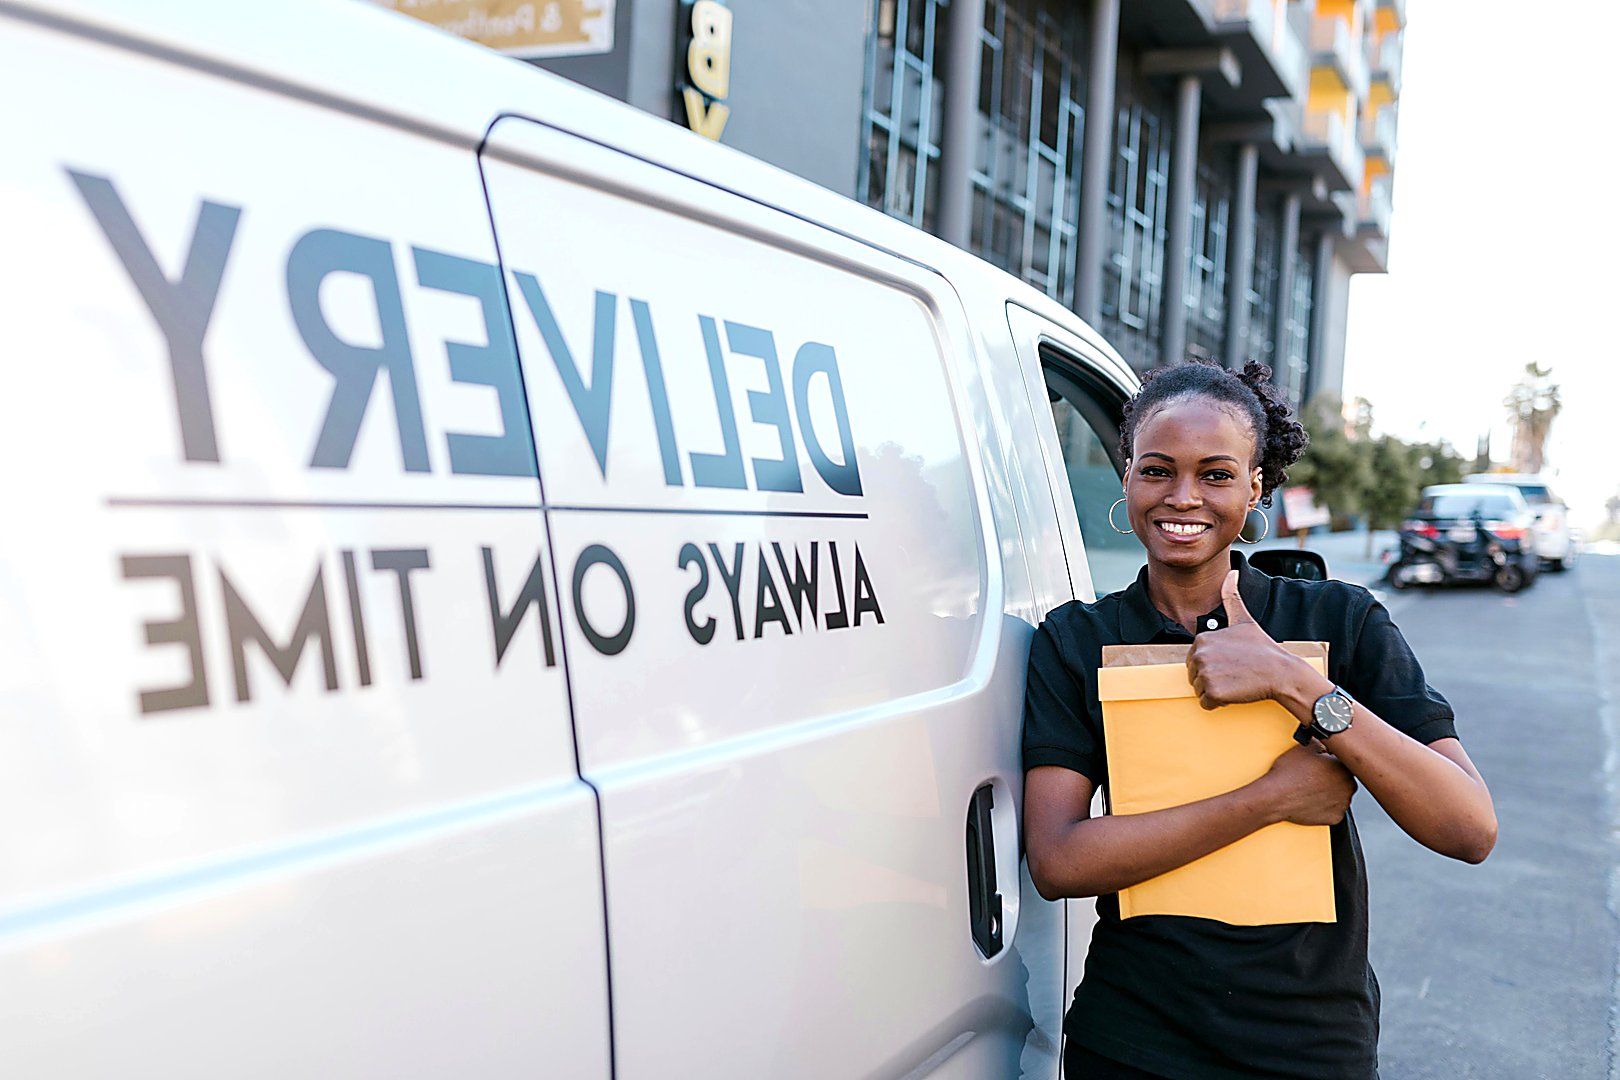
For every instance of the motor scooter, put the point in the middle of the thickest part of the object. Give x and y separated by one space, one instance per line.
1434 558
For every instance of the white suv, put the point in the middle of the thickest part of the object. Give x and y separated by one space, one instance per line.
1553 542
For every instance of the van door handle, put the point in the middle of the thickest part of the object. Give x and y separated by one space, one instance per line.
984 902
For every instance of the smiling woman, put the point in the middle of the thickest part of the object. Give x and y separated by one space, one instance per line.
1170 996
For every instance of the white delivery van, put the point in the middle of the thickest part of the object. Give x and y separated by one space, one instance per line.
496 585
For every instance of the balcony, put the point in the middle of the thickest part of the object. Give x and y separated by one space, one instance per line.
1273 57
1378 134
1384 60
1333 46
1292 59
1325 137
1373 208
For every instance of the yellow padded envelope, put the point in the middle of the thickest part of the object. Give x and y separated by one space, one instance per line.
1164 749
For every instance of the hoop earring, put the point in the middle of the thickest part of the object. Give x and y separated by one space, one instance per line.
1116 528
1263 533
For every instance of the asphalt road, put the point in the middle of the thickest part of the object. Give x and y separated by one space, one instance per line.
1507 971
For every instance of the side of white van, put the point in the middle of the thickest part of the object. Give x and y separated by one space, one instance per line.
498 585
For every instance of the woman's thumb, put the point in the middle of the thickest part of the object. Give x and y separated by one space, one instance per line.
1232 600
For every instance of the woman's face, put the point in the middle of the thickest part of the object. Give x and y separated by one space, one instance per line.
1192 481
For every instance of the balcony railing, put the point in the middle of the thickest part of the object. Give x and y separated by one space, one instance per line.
1325 129
1378 133
1332 45
1374 206
1263 13
1292 59
1384 59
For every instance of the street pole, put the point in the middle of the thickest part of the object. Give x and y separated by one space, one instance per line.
1240 255
961 78
1178 226
1095 159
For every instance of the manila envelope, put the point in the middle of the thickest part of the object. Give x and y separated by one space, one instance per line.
1164 749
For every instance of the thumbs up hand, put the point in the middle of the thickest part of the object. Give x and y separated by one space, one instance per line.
1240 662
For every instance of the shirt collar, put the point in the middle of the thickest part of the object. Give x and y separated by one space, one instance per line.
1140 623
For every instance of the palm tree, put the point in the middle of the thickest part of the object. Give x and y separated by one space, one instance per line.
1532 405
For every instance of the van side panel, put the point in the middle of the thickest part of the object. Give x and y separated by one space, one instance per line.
288 770
784 635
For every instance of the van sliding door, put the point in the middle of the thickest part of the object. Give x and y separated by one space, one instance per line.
782 625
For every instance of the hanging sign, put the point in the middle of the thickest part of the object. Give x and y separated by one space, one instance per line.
1300 509
531 29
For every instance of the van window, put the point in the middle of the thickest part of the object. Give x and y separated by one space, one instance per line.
1088 436
1535 494
1462 504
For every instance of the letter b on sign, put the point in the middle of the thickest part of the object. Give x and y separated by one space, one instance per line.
708 58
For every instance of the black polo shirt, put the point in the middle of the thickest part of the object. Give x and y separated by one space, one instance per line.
1196 998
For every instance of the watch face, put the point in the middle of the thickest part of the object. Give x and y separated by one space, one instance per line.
1332 713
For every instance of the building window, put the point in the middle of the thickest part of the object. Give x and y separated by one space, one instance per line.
1026 190
1262 298
1293 350
1137 194
1206 274
899 157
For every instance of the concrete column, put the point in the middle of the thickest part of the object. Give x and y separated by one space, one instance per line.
1284 310
1320 275
1178 223
1240 255
960 122
1096 159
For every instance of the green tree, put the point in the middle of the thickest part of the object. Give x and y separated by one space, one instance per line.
1395 478
1439 463
1335 466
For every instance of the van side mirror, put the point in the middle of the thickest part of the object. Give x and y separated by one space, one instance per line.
1284 562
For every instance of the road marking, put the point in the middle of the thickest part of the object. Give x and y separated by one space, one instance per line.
1423 991
1606 652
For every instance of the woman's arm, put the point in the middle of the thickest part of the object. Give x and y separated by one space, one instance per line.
1072 854
1433 792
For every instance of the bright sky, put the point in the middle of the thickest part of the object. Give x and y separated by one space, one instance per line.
1503 246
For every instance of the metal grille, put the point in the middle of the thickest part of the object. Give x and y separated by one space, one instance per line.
1262 297
1137 193
1026 189
1206 272
904 105
1293 349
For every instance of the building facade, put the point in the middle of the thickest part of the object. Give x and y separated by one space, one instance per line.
1192 177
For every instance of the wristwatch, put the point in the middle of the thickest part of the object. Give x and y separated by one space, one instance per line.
1329 716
